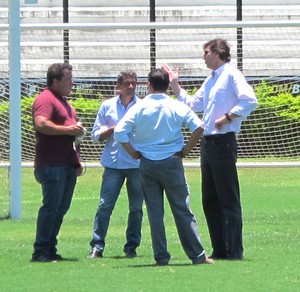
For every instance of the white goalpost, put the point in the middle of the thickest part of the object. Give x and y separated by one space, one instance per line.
15 210
266 52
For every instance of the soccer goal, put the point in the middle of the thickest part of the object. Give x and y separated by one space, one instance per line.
266 52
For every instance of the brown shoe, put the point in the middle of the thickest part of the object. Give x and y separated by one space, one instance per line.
208 261
203 260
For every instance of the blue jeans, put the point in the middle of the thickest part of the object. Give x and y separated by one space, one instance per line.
167 176
58 183
112 182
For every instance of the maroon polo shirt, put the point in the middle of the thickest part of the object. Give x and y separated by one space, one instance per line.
54 150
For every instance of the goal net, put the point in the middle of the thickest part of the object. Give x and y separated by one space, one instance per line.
268 56
267 53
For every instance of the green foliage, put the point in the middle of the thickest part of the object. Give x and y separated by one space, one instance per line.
286 105
193 91
26 106
277 113
263 92
4 128
86 107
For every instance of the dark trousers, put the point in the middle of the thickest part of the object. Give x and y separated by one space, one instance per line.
221 195
58 183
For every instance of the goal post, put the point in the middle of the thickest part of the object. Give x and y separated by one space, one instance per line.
15 189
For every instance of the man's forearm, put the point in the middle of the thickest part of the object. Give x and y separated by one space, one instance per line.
175 87
105 134
193 140
131 151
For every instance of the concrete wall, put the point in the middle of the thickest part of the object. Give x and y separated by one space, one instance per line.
138 11
145 3
91 52
123 3
112 14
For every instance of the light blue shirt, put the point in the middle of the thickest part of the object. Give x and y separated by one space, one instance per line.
157 122
110 113
225 90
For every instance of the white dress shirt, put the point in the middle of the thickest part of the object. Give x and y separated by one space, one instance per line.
225 90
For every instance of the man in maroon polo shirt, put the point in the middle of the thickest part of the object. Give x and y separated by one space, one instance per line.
57 162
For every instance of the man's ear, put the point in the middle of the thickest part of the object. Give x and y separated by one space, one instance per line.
150 87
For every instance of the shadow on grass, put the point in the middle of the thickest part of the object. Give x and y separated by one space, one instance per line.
186 264
58 261
6 217
159 266
176 264
148 265
118 257
69 260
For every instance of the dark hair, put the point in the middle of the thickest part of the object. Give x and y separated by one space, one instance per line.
56 71
126 73
221 47
159 79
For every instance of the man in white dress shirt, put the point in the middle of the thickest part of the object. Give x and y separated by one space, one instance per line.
226 99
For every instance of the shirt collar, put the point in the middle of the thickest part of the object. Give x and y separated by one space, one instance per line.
217 72
56 94
157 95
134 100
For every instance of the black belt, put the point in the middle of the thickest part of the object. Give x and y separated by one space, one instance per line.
219 136
177 154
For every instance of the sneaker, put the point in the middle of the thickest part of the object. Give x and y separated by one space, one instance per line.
95 254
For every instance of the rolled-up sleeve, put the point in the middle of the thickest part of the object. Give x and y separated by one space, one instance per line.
95 134
125 126
120 135
99 125
245 107
192 121
247 100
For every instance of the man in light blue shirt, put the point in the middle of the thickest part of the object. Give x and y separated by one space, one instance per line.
157 123
118 167
226 99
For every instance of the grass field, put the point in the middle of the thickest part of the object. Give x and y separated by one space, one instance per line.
271 205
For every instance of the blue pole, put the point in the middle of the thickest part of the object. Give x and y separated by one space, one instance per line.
15 110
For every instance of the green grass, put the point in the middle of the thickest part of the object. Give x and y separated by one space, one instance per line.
270 199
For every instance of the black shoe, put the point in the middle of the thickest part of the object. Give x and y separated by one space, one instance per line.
41 258
130 253
162 263
57 257
95 254
215 256
235 258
